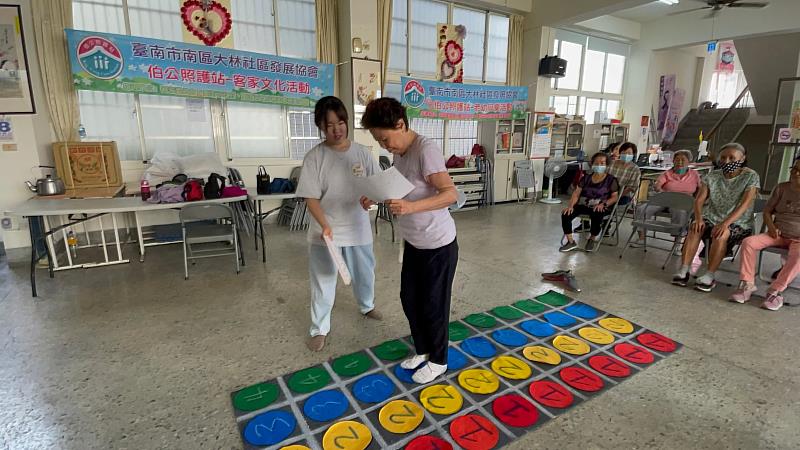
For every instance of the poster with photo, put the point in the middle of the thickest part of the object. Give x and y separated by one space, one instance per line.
666 89
366 85
674 116
727 57
16 93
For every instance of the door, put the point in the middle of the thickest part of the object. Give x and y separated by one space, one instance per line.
501 180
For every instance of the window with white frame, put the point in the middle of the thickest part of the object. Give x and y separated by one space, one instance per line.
594 78
184 126
414 42
413 52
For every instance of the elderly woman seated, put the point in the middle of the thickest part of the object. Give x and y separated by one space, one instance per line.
782 220
723 213
599 193
680 178
626 172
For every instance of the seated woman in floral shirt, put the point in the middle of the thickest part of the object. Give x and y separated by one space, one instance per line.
726 219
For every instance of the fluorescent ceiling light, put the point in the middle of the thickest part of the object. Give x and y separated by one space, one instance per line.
669 2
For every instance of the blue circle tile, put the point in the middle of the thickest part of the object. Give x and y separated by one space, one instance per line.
455 359
509 338
269 428
559 319
404 375
479 347
373 388
325 406
583 311
538 328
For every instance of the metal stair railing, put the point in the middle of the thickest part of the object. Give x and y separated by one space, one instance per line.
715 136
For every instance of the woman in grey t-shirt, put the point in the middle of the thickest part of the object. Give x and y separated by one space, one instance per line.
326 182
431 251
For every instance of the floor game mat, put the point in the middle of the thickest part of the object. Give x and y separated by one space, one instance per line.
510 370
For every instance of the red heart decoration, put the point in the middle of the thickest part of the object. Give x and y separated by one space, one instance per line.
194 16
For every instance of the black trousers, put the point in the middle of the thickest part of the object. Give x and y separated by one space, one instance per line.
426 284
595 217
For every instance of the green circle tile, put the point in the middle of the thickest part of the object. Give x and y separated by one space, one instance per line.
507 313
352 364
480 320
530 306
458 331
391 350
256 396
309 380
553 298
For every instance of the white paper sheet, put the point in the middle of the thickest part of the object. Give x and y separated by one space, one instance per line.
389 184
338 260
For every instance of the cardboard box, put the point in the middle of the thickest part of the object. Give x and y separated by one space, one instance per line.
88 164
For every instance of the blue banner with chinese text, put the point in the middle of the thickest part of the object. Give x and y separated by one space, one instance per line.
121 63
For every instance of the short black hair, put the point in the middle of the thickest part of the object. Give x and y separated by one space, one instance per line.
629 145
329 103
599 155
384 113
610 148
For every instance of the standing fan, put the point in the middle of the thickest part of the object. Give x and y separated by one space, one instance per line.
553 168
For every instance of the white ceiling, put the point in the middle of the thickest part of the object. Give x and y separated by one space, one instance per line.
656 10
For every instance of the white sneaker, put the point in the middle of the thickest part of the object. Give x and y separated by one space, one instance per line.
637 243
414 362
429 372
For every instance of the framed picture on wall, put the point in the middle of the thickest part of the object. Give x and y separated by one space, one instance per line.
366 85
16 92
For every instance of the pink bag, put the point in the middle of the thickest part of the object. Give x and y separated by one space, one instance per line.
233 191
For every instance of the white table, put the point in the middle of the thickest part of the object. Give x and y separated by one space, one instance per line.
259 216
37 208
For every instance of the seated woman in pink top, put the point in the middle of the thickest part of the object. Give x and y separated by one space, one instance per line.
678 179
782 219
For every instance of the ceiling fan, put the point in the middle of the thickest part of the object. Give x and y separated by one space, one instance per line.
715 7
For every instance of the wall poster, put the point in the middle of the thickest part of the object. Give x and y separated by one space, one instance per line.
450 52
666 89
16 92
366 85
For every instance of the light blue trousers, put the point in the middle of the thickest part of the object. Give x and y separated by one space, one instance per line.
323 276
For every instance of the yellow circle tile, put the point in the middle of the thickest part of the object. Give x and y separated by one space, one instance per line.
511 368
616 325
479 381
596 335
541 354
571 345
347 435
441 399
401 416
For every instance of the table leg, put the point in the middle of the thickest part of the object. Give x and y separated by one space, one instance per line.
116 236
256 216
261 227
33 256
140 235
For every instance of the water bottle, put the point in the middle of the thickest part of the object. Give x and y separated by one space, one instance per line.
144 190
81 131
72 242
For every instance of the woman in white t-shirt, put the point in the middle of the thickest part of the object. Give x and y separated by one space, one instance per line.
326 182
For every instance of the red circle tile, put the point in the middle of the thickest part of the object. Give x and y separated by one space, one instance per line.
515 410
549 393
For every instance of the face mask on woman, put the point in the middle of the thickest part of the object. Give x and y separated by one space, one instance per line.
681 170
599 169
732 166
626 157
